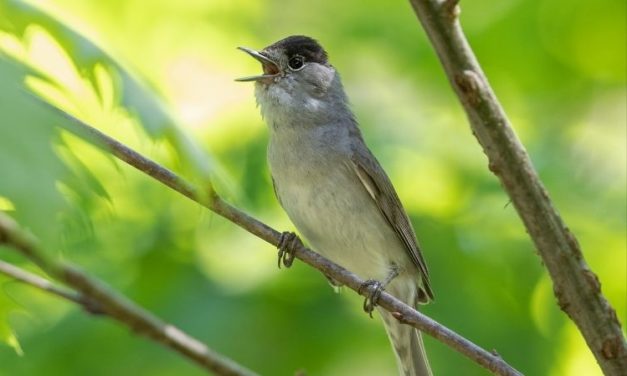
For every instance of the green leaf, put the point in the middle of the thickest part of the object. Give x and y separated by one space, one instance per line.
29 168
109 82
7 335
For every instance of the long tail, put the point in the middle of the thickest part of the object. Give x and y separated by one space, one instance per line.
411 357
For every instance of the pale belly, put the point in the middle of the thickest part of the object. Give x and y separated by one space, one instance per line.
337 217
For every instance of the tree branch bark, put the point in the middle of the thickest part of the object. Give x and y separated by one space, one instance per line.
96 298
34 280
213 202
576 287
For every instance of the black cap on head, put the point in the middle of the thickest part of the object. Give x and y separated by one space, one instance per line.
301 45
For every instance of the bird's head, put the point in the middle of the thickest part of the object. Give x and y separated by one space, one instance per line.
297 78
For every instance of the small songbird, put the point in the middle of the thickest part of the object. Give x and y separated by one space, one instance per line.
333 189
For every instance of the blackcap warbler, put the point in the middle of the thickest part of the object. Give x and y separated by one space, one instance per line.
333 188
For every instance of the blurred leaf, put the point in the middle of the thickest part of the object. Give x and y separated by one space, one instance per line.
83 181
30 169
91 73
7 335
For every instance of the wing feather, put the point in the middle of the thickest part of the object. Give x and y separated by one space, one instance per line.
379 187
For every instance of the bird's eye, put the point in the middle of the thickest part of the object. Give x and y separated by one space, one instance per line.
296 62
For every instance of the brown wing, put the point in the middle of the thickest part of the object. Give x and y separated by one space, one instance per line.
378 185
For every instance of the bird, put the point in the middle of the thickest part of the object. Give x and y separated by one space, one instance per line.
332 187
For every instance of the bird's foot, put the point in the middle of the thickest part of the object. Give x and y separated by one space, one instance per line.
287 243
373 297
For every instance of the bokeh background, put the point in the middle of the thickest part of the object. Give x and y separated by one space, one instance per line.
158 76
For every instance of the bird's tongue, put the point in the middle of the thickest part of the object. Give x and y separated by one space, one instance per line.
269 68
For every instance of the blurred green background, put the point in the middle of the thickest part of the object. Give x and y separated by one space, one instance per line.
158 76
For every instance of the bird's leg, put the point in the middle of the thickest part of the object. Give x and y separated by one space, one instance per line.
373 297
287 243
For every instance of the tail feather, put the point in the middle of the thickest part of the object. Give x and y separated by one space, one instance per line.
409 349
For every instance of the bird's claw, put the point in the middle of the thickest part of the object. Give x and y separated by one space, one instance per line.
287 243
373 297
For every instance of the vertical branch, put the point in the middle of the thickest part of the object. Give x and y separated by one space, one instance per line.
576 287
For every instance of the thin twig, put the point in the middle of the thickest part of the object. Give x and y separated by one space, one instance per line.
213 202
576 287
95 297
41 283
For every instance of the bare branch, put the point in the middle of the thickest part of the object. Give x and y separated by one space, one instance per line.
576 287
95 297
212 201
28 278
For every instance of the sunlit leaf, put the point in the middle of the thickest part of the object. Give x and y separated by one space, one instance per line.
6 204
49 50
10 339
30 168
7 334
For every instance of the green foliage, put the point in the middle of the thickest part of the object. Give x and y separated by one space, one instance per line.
7 335
157 75
30 168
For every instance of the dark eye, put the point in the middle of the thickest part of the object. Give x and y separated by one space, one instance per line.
296 62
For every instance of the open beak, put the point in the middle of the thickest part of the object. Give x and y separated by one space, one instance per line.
270 68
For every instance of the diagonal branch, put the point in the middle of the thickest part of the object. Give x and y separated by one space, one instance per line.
96 298
213 202
576 287
34 280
